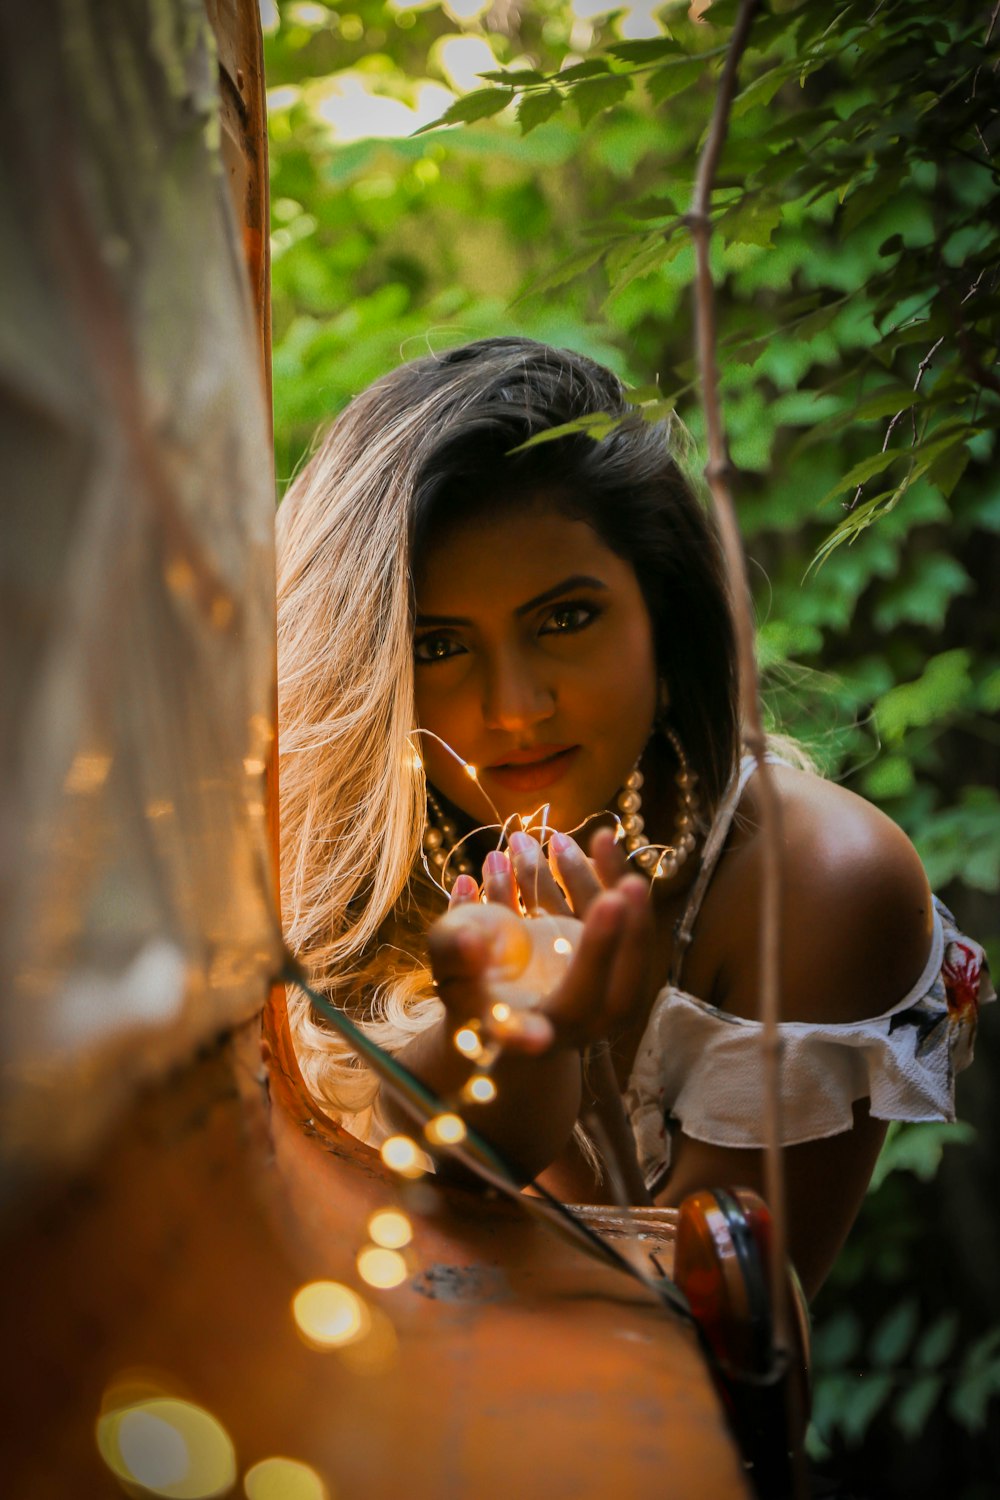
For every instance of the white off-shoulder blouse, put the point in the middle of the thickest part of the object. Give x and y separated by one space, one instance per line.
700 1069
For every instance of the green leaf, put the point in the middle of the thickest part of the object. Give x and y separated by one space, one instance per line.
647 49
917 1148
597 94
591 67
894 1333
479 105
978 1382
836 1340
861 472
891 776
923 594
751 223
672 79
963 842
886 402
862 1401
937 694
948 468
914 1405
514 77
596 425
567 270
936 1342
535 108
761 91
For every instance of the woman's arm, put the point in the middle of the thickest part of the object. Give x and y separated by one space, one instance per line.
857 926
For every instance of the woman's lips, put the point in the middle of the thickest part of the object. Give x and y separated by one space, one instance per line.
532 775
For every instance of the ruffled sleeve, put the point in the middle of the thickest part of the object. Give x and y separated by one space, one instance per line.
700 1068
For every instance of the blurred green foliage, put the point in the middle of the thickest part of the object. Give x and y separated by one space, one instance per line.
446 171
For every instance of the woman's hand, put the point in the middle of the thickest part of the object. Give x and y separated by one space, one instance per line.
602 912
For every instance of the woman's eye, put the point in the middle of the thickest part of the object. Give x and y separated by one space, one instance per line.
568 618
435 648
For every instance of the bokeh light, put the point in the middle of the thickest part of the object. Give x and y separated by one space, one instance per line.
468 1042
390 1228
284 1479
445 1130
480 1089
167 1446
404 1156
329 1315
381 1268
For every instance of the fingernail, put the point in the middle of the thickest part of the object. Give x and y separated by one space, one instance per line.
520 843
464 888
559 842
496 863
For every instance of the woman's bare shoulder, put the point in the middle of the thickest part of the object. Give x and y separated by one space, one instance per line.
857 915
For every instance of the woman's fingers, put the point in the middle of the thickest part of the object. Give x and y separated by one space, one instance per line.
608 855
463 891
498 880
535 880
575 872
579 1007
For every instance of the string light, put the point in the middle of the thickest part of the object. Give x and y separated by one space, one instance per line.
562 945
471 772
404 1156
480 1089
390 1229
445 1130
329 1315
166 1446
468 1043
500 1011
283 1479
381 1268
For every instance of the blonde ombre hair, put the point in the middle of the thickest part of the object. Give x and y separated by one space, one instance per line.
431 440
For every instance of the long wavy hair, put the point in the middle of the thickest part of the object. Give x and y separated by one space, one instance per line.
434 435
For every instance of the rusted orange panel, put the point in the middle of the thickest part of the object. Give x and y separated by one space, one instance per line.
521 1368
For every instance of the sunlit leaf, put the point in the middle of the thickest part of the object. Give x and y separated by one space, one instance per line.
535 108
481 104
597 94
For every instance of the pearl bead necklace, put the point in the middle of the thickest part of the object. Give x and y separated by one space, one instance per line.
660 863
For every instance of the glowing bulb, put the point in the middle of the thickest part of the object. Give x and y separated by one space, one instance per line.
167 1447
501 1011
445 1130
480 1089
563 945
472 773
403 1156
329 1315
381 1268
468 1043
390 1229
283 1479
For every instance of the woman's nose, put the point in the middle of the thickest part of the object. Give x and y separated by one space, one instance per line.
514 697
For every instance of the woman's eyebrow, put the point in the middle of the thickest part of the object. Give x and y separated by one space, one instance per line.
566 586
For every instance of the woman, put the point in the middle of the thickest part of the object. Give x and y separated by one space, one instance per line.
538 639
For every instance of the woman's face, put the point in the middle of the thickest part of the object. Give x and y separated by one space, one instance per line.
534 661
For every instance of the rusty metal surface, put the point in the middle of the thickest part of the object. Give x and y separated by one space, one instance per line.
518 1368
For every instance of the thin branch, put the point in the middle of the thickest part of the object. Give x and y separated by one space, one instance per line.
717 473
